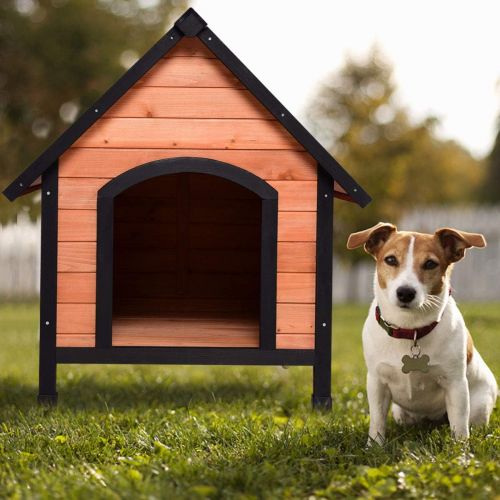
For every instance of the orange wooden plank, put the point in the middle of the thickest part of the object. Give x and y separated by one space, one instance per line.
75 340
178 305
79 193
296 288
297 196
295 318
77 288
297 226
80 225
77 225
75 318
285 341
189 72
190 47
76 256
187 133
183 332
267 164
298 257
178 102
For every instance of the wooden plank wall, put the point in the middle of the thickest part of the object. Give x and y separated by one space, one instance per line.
189 104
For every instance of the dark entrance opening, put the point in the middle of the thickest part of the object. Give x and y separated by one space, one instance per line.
186 257
186 263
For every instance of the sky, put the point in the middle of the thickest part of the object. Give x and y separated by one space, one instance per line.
445 53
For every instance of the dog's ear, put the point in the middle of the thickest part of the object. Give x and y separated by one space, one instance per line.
372 238
455 242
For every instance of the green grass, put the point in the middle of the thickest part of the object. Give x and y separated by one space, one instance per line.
216 432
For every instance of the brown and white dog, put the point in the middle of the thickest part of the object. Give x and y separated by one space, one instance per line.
417 349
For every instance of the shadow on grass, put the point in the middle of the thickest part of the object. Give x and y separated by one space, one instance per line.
89 393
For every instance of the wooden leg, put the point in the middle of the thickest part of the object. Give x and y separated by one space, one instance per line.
322 376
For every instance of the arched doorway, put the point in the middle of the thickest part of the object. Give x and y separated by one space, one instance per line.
186 257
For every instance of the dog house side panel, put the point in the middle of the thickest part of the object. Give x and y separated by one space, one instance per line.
189 104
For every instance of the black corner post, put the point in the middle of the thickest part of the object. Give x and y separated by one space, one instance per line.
322 370
268 271
47 393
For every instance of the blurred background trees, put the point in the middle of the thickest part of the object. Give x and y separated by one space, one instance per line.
56 58
402 164
491 186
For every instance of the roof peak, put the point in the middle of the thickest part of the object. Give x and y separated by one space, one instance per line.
190 23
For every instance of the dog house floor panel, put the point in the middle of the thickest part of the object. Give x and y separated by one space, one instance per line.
185 330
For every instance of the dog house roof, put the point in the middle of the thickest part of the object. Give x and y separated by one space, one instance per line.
190 24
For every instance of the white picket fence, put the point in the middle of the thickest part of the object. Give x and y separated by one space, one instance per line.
19 260
476 278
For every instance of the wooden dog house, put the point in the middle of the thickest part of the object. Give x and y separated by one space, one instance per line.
187 217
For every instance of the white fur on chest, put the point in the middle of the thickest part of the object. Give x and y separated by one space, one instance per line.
416 391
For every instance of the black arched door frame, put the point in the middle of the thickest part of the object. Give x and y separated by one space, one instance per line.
105 237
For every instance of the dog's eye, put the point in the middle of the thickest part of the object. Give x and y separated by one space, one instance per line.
391 260
430 264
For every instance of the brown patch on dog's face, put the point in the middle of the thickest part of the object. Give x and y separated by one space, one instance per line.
430 263
395 247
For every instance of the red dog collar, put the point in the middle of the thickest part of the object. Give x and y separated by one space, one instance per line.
403 333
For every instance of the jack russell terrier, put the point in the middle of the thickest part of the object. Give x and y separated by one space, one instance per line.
417 349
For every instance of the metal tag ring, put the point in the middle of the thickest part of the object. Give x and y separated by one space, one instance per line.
415 350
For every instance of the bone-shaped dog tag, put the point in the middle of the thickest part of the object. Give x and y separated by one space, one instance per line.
415 363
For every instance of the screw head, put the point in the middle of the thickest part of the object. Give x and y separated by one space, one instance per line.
326 196
355 190
47 323
96 110
48 193
324 324
21 184
209 38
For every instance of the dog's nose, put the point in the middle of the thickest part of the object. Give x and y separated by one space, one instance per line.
405 294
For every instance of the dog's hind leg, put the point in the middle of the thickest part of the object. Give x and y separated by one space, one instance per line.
482 402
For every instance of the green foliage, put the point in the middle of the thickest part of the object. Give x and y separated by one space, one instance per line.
491 187
56 58
400 163
225 432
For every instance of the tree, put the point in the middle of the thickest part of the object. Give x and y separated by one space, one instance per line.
401 164
56 58
490 191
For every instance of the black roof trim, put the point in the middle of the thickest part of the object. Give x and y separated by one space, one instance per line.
189 24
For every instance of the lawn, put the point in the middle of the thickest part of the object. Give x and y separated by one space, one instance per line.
217 432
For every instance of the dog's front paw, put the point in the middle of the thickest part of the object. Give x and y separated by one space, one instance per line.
460 433
376 440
